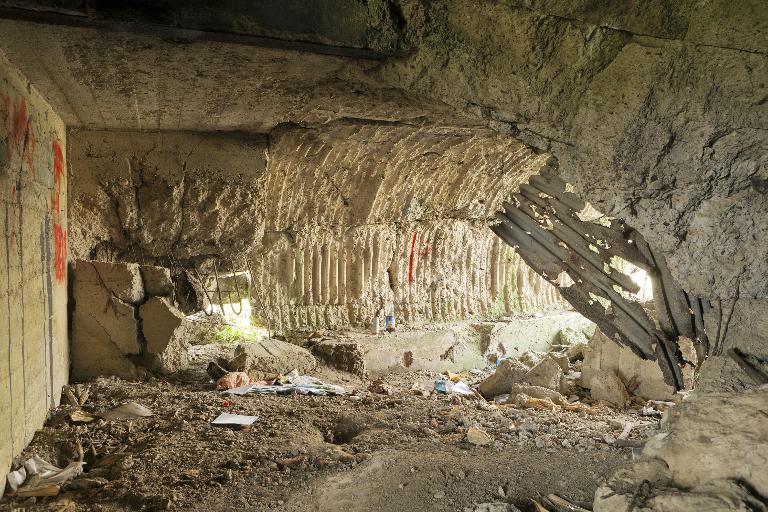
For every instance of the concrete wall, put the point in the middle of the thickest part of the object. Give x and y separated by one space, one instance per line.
33 262
336 223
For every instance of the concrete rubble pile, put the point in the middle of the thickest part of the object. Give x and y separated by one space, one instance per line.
125 321
594 367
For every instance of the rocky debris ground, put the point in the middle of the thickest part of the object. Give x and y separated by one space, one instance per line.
463 451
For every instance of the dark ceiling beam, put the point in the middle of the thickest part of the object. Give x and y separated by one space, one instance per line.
182 35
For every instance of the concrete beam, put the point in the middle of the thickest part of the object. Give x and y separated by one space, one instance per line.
342 28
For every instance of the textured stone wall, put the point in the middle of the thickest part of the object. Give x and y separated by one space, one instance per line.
33 262
335 223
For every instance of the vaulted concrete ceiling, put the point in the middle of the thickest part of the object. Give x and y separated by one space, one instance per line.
97 78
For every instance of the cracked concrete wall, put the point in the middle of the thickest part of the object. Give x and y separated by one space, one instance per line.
335 223
33 262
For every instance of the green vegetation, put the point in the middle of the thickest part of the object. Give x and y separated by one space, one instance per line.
241 333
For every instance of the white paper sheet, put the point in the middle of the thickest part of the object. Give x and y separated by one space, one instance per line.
234 419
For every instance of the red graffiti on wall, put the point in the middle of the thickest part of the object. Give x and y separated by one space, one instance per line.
59 235
410 258
425 250
60 254
58 174
19 130
19 121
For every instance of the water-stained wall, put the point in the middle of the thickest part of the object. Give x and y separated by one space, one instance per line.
33 262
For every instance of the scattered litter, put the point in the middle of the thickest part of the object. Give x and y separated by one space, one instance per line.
443 386
380 387
627 429
461 388
127 411
389 323
233 380
478 437
38 477
301 384
447 387
82 484
39 491
81 416
234 419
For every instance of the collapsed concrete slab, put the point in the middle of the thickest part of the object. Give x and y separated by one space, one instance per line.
121 279
265 358
574 342
608 387
118 326
157 281
342 355
166 349
105 331
547 374
508 373
605 355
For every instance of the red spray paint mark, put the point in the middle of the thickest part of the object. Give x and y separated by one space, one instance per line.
410 258
58 174
20 120
60 259
426 250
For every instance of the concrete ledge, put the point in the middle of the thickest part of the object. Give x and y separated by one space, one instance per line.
453 348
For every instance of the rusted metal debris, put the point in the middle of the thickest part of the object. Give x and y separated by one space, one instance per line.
542 222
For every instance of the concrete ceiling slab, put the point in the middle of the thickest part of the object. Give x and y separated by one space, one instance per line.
96 78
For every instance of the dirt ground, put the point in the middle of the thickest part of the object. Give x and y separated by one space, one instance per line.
362 452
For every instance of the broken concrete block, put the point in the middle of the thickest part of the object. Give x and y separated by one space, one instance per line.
602 353
574 341
608 387
157 281
575 352
561 359
547 374
531 358
166 350
121 279
105 335
570 336
266 358
342 355
507 374
478 437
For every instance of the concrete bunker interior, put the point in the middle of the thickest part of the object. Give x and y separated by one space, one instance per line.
562 204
